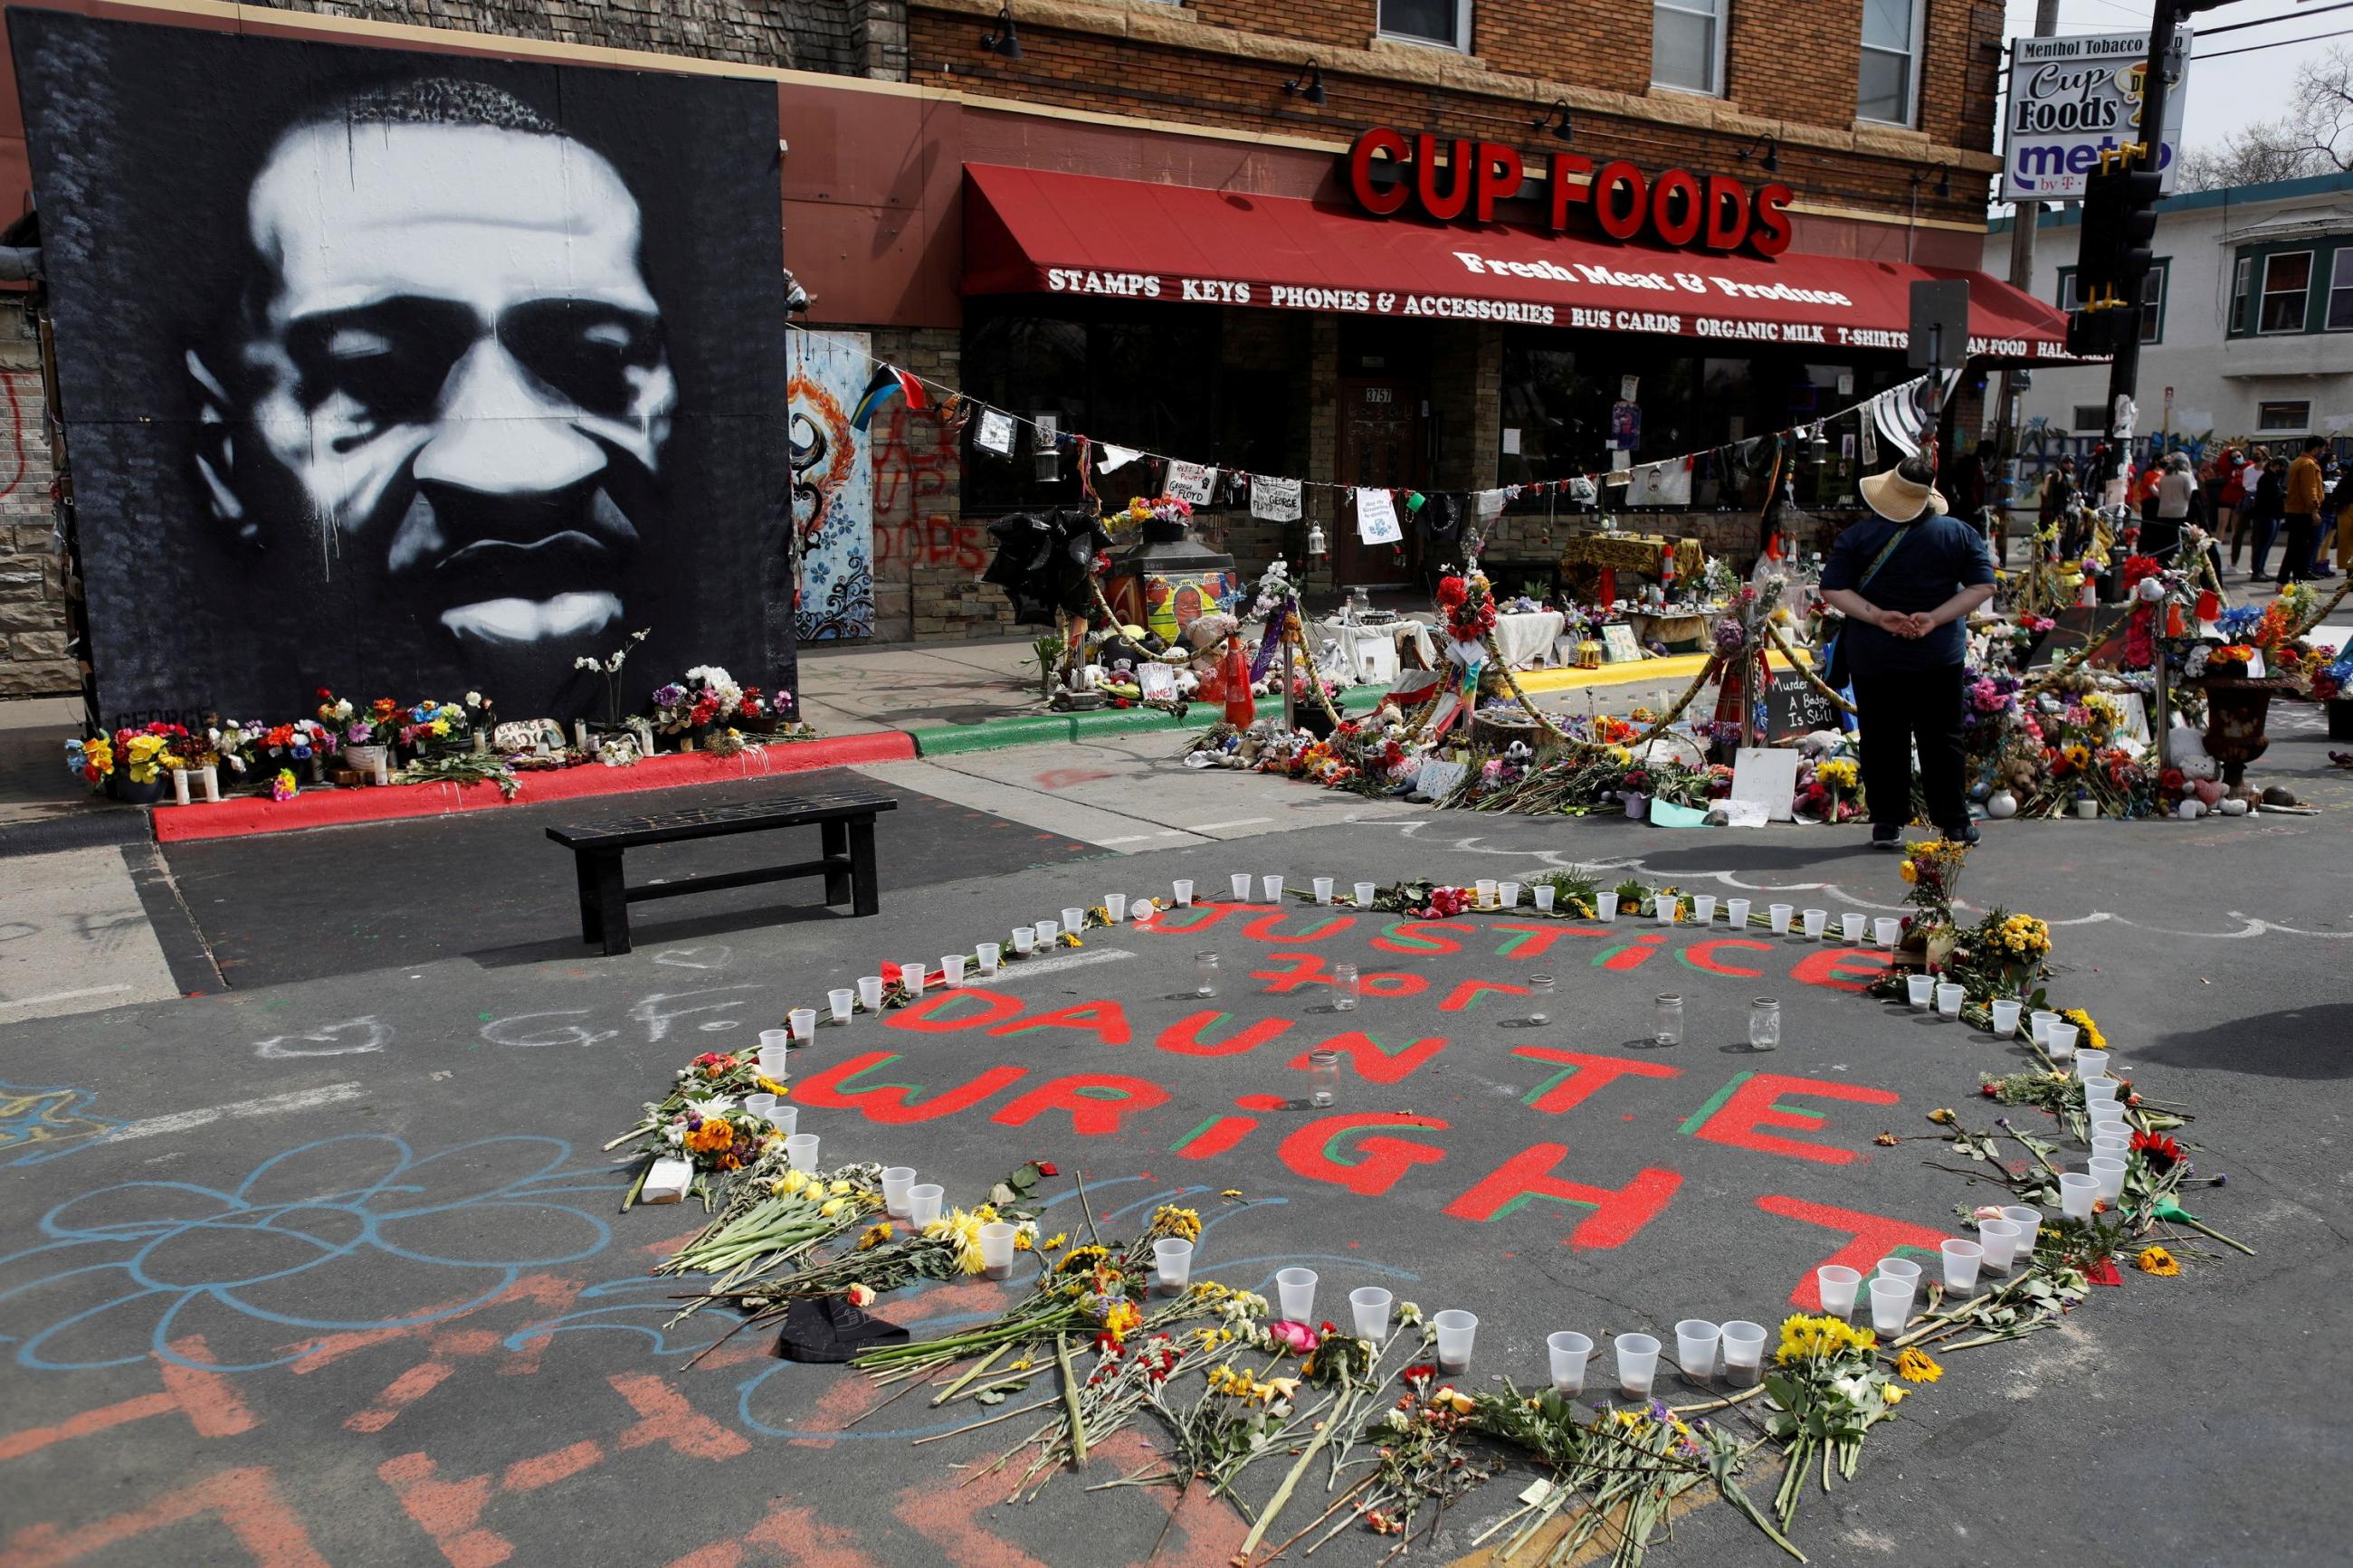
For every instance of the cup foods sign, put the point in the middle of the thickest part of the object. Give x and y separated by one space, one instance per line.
2070 99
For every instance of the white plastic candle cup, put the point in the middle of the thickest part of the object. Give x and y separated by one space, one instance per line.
1571 1351
1509 893
778 1040
180 787
1172 1263
996 1250
1951 994
991 954
763 1106
1816 923
800 1149
1851 925
1025 940
1295 1290
1115 906
1744 1352
2089 1065
898 1180
1638 1364
2109 1122
804 1021
1049 932
1605 906
1366 893
1074 919
2110 1174
2029 1222
2038 1024
1887 930
910 975
1272 887
772 1061
1902 1268
1456 1329
2076 1191
1183 889
924 1203
1920 989
1141 911
1891 1306
1695 1340
1242 885
1485 888
1778 915
1838 1284
842 1002
1368 1307
1322 889
2005 1018
1670 909
1735 914
2062 1042
1962 1259
1999 1239
1543 893
785 1119
1703 909
2101 1091
2111 1146
952 969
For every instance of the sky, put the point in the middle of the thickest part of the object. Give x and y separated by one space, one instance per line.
2225 95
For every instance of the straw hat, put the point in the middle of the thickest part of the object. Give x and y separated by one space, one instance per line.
1902 493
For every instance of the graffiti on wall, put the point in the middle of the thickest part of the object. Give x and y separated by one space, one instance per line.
833 489
408 372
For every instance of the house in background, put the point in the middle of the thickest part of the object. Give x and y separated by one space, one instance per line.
2249 330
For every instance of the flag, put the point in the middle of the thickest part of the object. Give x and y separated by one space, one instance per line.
887 379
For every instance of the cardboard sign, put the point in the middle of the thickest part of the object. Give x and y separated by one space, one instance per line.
1377 517
1745 813
1617 644
1158 681
1435 778
1769 777
1793 708
1191 482
1273 499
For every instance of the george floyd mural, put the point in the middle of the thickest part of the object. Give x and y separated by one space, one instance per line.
409 374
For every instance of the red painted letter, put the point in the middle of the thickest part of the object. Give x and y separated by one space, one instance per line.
1183 1037
1751 1107
1872 1239
1824 968
1374 1060
894 1103
1104 1020
1618 1212
1702 956
1585 1076
1312 1151
1096 1101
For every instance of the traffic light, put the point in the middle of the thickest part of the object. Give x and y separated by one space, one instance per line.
2119 223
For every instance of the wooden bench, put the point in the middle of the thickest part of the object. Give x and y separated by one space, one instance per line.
845 817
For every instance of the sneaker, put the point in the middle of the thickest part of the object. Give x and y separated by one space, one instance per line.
1889 838
1965 834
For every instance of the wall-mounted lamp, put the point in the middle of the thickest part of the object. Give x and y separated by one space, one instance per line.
1308 84
1772 145
1562 132
1004 42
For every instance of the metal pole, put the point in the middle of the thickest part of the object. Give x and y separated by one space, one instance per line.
2124 370
2024 219
1289 703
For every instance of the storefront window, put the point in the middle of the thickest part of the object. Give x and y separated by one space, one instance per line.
1687 44
1446 22
1144 377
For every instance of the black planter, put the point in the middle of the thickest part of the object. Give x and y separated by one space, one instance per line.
122 788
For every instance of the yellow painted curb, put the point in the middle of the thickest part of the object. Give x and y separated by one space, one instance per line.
1675 667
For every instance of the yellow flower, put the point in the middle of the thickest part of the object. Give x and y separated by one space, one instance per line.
875 1236
1916 1366
2091 1040
1908 872
1182 1224
840 1189
831 1208
1942 1117
1055 1240
1894 1394
768 1085
792 1184
2157 1260
1455 1400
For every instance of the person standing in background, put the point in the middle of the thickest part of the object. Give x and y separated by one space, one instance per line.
2341 502
2264 506
2177 492
2230 492
2300 507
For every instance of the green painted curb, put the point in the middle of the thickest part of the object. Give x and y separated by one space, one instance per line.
992 735
1122 721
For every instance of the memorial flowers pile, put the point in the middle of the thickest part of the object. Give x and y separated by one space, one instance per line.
703 1120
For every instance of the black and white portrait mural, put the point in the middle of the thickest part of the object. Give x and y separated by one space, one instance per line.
410 374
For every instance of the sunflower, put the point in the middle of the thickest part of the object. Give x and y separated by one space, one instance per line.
2157 1260
1916 1366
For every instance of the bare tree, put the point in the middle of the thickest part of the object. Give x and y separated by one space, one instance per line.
2315 137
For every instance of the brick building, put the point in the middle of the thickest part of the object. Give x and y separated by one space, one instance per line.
928 179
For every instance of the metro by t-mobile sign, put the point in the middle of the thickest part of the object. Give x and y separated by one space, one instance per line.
1674 207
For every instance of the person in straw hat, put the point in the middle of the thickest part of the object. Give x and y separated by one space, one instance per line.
1905 580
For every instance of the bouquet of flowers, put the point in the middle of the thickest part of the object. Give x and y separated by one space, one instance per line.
1468 606
709 696
703 1120
1827 1389
91 760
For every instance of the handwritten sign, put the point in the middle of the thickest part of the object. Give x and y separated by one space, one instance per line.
1191 482
1617 644
1793 708
1377 517
1273 499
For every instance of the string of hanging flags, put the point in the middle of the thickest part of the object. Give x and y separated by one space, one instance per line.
1904 415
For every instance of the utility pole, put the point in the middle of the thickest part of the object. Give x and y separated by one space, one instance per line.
2024 217
2124 367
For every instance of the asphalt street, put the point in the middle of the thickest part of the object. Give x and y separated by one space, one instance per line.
324 1265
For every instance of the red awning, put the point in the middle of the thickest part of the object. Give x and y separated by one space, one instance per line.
1030 231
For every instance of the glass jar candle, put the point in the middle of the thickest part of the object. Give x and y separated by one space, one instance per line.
1764 1023
1667 1020
1541 990
1205 975
1343 989
1323 1077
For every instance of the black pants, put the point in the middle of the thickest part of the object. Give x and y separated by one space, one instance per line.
2302 532
1896 709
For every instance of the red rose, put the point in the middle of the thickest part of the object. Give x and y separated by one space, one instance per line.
1452 591
1047 1167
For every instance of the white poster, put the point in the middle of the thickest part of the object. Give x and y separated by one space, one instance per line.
1191 482
1617 644
995 432
2069 98
1377 517
1661 484
1768 777
1273 499
1158 681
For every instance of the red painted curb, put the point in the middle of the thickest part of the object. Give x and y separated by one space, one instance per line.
331 807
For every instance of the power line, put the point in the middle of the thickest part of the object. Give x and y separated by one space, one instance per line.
2275 43
2297 16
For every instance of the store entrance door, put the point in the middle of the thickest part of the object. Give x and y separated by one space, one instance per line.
1380 444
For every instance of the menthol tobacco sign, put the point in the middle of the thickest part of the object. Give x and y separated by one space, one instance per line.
2071 98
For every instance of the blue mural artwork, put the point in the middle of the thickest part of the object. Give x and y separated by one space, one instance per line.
38 1124
343 1234
833 488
